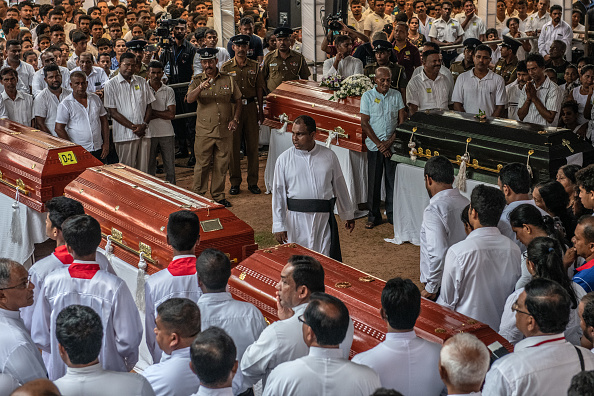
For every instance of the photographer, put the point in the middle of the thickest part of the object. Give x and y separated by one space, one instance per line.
178 60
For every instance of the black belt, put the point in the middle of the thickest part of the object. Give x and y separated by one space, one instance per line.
321 206
249 100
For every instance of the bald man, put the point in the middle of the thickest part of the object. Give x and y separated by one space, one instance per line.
37 387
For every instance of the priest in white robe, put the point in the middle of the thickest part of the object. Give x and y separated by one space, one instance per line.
307 183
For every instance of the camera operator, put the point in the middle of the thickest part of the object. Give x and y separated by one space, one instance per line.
178 59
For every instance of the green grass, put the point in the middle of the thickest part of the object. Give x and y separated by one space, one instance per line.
265 239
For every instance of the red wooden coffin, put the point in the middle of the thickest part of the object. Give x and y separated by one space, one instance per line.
295 98
38 164
254 281
133 207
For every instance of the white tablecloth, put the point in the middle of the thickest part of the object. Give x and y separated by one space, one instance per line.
32 226
352 163
410 200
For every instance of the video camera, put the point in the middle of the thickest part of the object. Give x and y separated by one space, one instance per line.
164 27
332 22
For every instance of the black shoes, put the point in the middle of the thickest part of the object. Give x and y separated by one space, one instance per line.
191 161
225 203
234 190
254 189
182 154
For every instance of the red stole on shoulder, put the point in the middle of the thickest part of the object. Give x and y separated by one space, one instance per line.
182 266
83 270
62 254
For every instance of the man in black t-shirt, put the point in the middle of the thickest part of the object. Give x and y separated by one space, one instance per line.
255 49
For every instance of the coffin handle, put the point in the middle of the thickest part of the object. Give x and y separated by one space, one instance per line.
20 185
129 249
337 131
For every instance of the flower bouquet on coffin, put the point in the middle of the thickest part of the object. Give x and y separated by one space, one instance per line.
355 85
332 82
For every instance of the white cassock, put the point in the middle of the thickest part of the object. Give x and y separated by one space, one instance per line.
173 376
441 229
314 174
407 363
95 381
84 284
280 342
322 372
479 274
509 330
541 365
60 258
241 320
7 384
178 280
19 357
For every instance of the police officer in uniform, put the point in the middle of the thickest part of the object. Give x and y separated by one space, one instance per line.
383 51
466 63
137 48
283 64
507 65
249 79
218 113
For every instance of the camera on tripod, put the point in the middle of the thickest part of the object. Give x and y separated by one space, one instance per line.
164 27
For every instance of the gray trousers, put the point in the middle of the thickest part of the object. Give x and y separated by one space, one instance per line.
167 146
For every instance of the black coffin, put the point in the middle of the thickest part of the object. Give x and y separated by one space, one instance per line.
494 143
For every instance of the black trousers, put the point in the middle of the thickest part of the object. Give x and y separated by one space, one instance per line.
377 165
448 57
184 128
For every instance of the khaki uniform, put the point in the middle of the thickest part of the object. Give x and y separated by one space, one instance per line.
458 68
142 73
249 79
399 80
275 69
507 70
213 138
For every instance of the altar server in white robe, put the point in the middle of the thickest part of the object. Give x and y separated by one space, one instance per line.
481 271
178 323
441 227
282 341
58 210
307 183
403 360
241 320
325 323
178 279
84 283
19 356
79 331
343 63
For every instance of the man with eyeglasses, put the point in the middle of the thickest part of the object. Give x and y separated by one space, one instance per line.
19 355
544 362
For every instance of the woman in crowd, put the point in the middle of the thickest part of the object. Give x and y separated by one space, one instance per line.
414 36
544 260
119 49
513 24
552 198
269 42
569 118
583 95
572 80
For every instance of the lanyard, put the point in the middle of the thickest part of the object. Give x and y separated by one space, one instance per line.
547 341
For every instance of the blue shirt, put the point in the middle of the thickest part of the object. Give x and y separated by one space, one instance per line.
383 113
584 276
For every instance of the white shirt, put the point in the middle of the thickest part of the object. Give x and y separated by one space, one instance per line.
109 296
96 79
46 105
323 372
204 391
504 225
535 23
581 100
441 228
160 287
509 330
479 94
314 174
280 342
19 355
479 274
38 84
131 100
20 109
551 33
95 381
496 54
425 28
164 98
475 28
348 66
173 376
446 31
442 70
83 125
359 25
222 57
7 384
241 320
25 72
427 93
513 93
532 370
550 96
407 363
375 23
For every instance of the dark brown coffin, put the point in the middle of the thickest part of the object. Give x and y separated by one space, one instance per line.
38 164
302 97
254 281
133 207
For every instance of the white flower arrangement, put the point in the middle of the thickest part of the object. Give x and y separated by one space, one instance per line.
355 85
333 82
